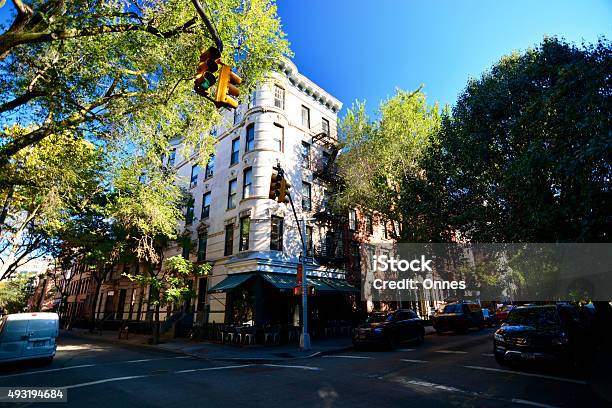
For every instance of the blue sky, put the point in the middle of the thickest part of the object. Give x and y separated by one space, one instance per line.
359 49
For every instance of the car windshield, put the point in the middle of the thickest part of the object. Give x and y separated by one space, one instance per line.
453 308
538 317
375 318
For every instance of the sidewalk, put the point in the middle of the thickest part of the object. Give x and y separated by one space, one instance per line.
223 352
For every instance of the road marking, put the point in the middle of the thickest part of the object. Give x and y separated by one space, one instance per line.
451 352
104 381
487 354
344 356
412 361
144 360
47 371
427 384
293 366
531 403
192 370
549 377
405 349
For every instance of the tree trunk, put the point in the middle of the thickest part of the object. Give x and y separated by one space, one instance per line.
156 326
94 303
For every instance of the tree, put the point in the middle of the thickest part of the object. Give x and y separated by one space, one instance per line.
123 70
382 165
527 152
168 284
14 293
42 189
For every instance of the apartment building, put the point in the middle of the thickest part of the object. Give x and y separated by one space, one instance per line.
251 241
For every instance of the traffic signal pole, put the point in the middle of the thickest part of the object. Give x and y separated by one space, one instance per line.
208 24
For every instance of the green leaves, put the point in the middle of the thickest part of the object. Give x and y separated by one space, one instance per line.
383 161
527 151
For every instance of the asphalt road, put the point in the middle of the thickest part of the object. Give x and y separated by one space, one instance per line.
447 371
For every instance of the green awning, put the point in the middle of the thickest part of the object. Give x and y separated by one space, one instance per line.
231 282
341 285
280 281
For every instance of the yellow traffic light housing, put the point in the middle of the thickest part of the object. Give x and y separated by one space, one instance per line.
227 88
209 64
279 188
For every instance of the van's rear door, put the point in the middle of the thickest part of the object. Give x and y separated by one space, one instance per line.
41 338
12 336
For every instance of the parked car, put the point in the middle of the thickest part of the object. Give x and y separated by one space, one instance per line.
550 333
458 317
25 336
489 318
501 314
390 329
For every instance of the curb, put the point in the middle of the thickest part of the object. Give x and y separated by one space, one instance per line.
252 360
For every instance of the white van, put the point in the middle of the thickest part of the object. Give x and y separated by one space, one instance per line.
25 336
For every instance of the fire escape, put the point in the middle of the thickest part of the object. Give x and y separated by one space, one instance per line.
330 250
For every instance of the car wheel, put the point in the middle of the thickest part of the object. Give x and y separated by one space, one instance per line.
46 361
420 337
393 342
500 359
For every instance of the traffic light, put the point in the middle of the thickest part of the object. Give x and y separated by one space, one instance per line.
283 196
299 274
208 65
227 88
275 185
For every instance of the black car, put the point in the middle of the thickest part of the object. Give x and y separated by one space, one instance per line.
549 332
390 329
458 317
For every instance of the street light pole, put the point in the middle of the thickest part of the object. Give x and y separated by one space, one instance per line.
305 337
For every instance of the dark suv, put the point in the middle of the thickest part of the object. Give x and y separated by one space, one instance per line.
458 317
549 332
390 330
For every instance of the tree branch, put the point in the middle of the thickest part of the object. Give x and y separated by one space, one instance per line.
15 37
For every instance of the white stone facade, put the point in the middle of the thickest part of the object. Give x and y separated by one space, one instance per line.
280 129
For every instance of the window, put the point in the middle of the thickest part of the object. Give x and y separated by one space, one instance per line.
171 157
305 117
206 205
306 204
202 241
305 154
229 240
279 97
210 167
384 229
189 213
352 220
231 194
236 116
279 137
195 171
245 226
235 151
247 182
186 248
356 255
276 234
368 224
309 240
250 138
325 126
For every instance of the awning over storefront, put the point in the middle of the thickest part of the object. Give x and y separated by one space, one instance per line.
341 285
280 281
286 282
231 282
